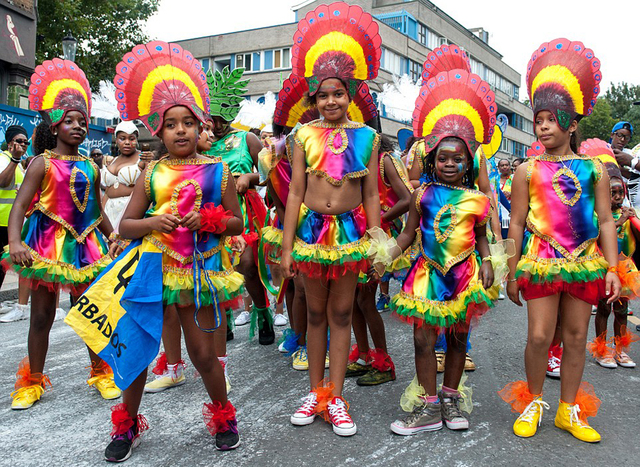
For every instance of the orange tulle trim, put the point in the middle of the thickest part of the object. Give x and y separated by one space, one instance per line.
216 417
599 348
623 342
100 368
629 278
25 378
324 395
381 361
587 400
517 395
333 271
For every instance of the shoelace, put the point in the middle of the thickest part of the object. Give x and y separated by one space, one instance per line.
26 391
529 412
104 379
309 404
554 362
338 413
454 409
303 355
575 418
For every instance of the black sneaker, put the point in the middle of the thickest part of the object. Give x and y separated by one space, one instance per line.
266 334
229 334
120 447
230 439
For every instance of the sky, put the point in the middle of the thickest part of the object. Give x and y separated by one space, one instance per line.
516 27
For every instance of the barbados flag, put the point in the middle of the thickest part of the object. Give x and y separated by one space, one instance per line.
120 315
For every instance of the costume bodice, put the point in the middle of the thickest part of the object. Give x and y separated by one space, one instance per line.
562 201
448 217
626 239
176 186
127 176
274 165
337 152
234 151
388 197
67 193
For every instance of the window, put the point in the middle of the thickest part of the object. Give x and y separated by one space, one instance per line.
243 61
527 126
205 64
281 58
423 33
392 62
504 147
416 71
477 67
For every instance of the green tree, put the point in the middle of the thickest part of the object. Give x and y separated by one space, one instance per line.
621 97
105 30
599 123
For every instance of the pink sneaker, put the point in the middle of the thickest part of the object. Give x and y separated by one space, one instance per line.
306 414
340 419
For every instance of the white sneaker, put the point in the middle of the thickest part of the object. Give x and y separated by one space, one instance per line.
281 320
19 312
60 314
7 306
501 296
281 348
243 318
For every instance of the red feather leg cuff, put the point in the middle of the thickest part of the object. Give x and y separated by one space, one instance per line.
214 218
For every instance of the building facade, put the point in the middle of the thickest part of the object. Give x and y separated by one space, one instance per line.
409 30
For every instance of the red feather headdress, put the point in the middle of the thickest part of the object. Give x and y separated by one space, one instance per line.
455 103
157 76
292 106
601 150
563 77
58 86
336 41
445 58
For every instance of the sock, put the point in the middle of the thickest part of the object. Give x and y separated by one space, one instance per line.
432 399
175 371
448 391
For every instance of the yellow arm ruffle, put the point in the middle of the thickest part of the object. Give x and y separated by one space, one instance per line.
448 313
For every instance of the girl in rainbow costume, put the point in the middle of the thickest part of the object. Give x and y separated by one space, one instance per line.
627 228
333 196
449 285
181 209
561 209
61 246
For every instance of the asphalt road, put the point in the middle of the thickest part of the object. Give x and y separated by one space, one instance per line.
70 426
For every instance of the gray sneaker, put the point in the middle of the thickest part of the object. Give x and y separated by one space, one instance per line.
451 413
426 417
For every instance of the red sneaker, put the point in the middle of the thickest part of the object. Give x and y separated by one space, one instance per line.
306 414
340 419
553 365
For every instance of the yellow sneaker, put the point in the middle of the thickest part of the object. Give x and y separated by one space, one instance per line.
105 386
529 420
440 361
469 365
164 382
25 397
567 419
300 360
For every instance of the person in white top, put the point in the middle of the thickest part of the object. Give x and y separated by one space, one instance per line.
119 177
621 134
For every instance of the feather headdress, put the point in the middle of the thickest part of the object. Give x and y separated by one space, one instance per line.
601 150
455 103
563 77
157 76
58 86
336 41
292 106
226 89
445 58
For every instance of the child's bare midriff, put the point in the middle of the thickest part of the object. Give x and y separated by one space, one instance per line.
325 198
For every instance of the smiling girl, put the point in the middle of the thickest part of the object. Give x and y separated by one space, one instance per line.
60 246
333 197
561 209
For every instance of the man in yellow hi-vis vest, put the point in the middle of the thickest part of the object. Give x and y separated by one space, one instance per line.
10 179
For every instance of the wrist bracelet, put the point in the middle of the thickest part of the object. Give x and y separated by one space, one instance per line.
15 161
486 258
512 280
613 269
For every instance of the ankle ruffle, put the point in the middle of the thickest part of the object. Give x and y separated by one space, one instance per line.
25 378
217 418
517 395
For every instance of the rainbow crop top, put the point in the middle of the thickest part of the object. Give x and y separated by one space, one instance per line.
194 183
388 197
67 194
337 152
626 239
274 165
562 201
448 216
234 151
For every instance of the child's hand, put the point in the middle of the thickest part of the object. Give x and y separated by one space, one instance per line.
165 223
192 221
115 250
627 212
486 274
243 182
20 256
238 244
613 287
513 291
286 266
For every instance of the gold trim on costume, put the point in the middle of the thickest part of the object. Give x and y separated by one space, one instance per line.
556 186
440 236
72 188
173 204
553 242
177 256
79 237
332 137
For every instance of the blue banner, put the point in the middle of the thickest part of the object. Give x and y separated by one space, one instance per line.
97 137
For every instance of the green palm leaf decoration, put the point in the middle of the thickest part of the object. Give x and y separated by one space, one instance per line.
226 89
